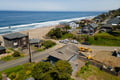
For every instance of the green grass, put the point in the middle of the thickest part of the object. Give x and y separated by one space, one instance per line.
68 35
97 73
105 39
10 70
39 50
9 58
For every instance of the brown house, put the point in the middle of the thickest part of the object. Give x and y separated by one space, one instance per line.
15 40
2 50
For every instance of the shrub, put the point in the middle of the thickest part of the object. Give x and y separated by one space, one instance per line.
47 44
55 33
16 54
12 75
6 58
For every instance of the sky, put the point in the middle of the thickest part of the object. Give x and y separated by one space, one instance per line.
59 5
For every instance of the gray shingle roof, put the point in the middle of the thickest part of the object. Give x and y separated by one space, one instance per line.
14 35
65 53
93 25
114 21
2 48
34 41
107 25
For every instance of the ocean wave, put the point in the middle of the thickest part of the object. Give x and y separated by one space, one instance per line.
9 29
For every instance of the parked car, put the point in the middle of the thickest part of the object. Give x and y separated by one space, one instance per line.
74 41
86 43
65 41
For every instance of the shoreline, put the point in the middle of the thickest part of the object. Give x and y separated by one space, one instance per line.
24 27
38 33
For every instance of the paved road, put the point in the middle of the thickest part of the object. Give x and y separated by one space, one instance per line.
36 57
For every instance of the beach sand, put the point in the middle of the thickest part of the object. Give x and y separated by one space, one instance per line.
38 33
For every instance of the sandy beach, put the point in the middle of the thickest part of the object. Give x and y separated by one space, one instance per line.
38 33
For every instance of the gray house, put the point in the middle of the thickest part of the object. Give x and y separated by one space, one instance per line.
15 40
114 21
68 52
89 29
106 28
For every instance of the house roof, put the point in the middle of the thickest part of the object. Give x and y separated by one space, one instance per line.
66 52
93 25
14 35
114 21
107 25
33 41
2 48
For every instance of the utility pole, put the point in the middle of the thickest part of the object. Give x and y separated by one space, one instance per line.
30 54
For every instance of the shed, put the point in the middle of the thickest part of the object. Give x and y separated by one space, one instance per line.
2 50
14 40
34 41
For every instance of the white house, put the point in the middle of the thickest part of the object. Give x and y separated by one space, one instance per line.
73 25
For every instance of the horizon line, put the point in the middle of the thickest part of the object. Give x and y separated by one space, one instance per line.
52 11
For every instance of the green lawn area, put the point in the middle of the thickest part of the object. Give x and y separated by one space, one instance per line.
10 70
105 39
9 58
96 74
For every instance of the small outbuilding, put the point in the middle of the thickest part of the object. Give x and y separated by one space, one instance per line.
15 40
34 41
2 50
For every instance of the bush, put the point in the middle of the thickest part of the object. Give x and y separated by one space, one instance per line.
55 33
6 58
16 54
47 44
12 75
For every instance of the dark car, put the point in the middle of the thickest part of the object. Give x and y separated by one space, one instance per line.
86 43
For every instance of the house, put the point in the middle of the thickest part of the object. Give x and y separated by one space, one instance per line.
97 19
2 50
114 21
89 29
15 40
68 52
106 28
73 25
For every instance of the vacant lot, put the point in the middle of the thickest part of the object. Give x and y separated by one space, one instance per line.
107 58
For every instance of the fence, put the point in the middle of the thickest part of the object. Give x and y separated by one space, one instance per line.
99 65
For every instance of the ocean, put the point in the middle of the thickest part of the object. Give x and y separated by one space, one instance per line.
14 21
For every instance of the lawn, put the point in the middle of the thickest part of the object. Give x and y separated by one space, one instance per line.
10 70
93 73
105 39
10 57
